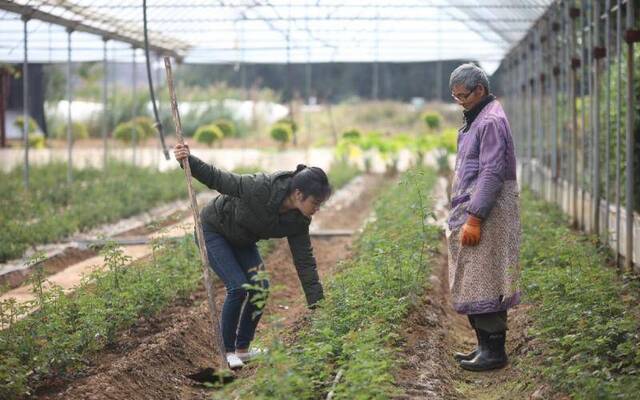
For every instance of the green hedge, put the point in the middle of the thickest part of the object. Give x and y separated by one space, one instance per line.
356 326
586 318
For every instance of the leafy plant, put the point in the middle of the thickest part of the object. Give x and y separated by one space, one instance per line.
208 134
281 133
227 127
432 120
351 134
79 131
56 335
289 121
52 209
128 131
348 147
31 128
584 316
36 138
449 140
60 340
341 172
146 124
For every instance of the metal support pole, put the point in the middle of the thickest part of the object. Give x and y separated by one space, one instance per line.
631 37
607 95
520 105
374 81
134 104
523 113
25 103
555 74
156 101
618 124
439 80
3 107
307 95
513 90
540 116
564 90
375 78
531 116
595 101
105 106
290 75
243 67
575 64
584 81
69 100
307 81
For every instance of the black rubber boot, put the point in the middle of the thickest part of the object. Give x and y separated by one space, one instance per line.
491 354
468 356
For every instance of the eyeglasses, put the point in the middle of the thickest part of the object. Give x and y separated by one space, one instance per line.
463 97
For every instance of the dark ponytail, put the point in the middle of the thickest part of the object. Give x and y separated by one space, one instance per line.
311 181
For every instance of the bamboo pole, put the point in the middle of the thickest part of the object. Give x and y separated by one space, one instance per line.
208 281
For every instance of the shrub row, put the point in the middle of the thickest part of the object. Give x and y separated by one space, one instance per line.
354 144
586 316
52 209
58 338
355 327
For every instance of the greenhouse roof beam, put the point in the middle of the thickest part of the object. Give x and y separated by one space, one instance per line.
158 43
343 6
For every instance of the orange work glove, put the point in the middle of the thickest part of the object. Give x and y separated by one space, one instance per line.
470 232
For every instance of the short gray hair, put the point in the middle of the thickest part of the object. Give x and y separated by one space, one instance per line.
470 76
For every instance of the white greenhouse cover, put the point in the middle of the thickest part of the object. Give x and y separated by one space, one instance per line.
232 31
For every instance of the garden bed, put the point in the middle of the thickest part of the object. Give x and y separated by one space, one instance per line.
52 209
346 346
96 370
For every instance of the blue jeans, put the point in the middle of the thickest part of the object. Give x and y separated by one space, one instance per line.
236 266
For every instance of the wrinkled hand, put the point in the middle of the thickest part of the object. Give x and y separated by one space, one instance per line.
470 233
181 151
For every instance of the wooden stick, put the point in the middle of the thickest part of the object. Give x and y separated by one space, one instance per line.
208 281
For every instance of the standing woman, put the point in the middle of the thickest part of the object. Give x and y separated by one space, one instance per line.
484 221
250 208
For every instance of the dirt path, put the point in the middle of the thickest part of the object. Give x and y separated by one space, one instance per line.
151 360
434 331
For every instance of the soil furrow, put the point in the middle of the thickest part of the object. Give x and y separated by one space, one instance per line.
151 359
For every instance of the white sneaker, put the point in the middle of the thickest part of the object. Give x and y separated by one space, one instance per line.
234 361
251 354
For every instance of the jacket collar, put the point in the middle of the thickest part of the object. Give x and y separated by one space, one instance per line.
279 188
470 116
